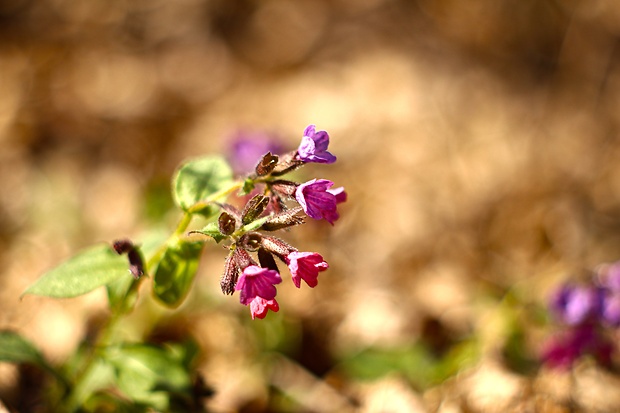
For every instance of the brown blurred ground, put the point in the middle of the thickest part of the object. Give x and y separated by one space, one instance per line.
478 143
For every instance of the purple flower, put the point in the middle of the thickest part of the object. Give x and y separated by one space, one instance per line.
306 266
339 193
257 282
259 307
563 350
611 310
317 201
313 147
577 304
247 148
610 276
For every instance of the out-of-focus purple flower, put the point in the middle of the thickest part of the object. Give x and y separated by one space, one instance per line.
560 353
563 350
259 307
609 276
577 304
247 148
257 282
317 201
305 266
611 310
313 146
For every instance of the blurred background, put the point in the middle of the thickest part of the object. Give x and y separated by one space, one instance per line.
478 144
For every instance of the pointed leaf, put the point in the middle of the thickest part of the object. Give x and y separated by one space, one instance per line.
16 349
90 269
212 230
197 179
176 271
254 225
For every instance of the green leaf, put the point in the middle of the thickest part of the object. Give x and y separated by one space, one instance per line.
176 271
99 376
248 186
90 269
149 374
212 230
198 179
119 293
16 349
253 226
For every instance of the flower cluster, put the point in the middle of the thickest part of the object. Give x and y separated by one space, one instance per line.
277 204
588 311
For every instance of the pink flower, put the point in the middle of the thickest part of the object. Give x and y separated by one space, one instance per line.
306 266
257 282
318 201
339 193
259 307
313 147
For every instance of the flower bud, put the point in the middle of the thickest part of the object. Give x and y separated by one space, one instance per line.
226 223
250 241
136 263
283 188
254 208
242 258
266 164
277 247
122 246
286 164
284 219
266 260
230 276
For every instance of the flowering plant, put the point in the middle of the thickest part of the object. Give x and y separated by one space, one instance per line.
588 312
159 376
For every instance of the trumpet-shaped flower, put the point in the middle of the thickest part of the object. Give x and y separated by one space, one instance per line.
259 307
313 147
305 266
317 201
257 282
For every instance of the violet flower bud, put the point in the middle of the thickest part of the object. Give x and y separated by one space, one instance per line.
136 263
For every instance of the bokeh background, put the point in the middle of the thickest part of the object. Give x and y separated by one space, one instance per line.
478 142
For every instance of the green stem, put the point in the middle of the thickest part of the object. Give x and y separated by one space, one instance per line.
79 391
214 197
